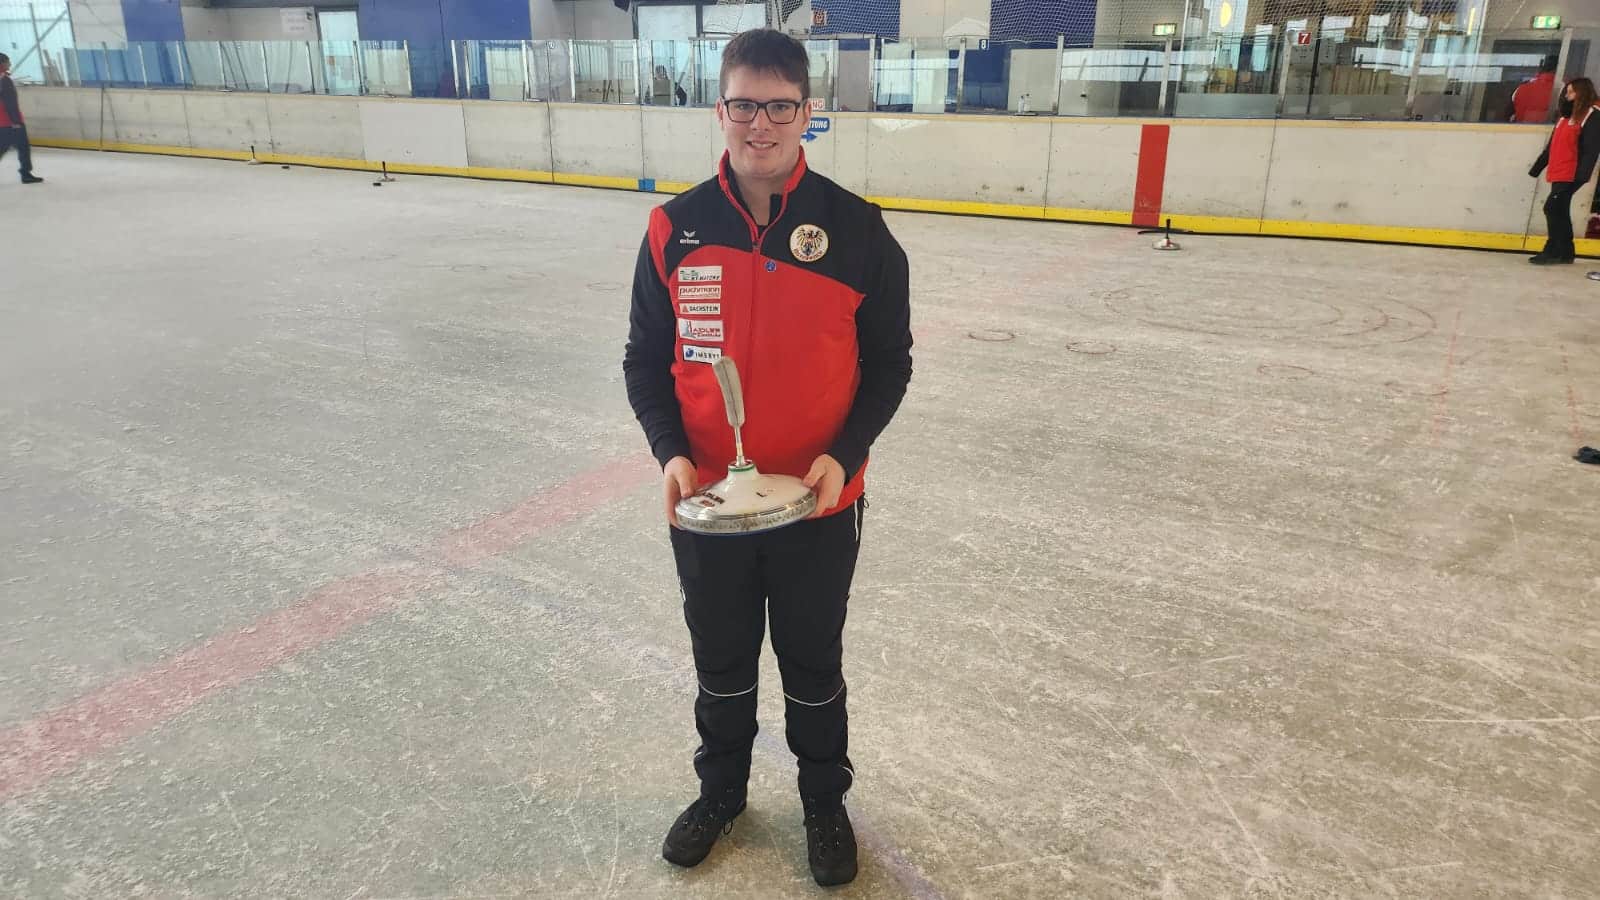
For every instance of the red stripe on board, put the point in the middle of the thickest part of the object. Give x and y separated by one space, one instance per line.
1151 181
34 751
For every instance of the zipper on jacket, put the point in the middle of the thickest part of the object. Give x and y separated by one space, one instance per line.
758 236
761 239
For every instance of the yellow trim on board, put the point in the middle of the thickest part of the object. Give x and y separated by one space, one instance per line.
118 147
1089 216
600 181
1386 234
1375 234
335 162
960 207
491 174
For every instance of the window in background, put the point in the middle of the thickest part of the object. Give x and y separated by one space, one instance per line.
337 30
664 22
19 22
732 18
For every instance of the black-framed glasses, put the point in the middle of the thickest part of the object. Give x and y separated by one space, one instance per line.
779 112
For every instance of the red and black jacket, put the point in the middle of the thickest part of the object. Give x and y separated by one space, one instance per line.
814 308
10 109
1581 159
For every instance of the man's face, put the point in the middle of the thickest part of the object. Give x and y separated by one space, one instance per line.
5 68
762 148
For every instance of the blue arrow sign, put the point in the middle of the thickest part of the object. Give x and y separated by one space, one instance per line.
819 125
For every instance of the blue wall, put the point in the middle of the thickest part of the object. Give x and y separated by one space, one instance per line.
436 21
153 20
487 20
429 26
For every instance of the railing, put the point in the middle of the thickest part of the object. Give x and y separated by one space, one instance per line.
1267 74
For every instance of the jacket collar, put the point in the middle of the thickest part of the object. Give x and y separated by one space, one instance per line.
731 191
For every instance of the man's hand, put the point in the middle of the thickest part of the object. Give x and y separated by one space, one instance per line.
826 480
677 482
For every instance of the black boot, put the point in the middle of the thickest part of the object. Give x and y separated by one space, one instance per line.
698 828
830 841
31 178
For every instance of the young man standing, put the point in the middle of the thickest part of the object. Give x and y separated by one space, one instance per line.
13 133
802 285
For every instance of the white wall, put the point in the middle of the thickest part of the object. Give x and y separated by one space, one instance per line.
1134 20
675 22
228 121
206 24
597 20
550 20
1093 165
598 140
1294 176
318 126
508 135
202 23
97 21
428 134
732 18
944 18
1033 72
268 25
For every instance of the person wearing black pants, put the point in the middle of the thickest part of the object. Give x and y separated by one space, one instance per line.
13 131
1560 247
800 284
1568 161
803 572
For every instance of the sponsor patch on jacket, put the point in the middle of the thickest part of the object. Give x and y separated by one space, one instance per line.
699 292
699 274
700 329
691 353
700 309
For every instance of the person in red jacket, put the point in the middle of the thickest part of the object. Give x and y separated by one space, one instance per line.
1568 161
13 132
1530 102
800 282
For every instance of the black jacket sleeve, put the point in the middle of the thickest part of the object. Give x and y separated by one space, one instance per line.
8 97
883 336
1588 148
647 361
1542 161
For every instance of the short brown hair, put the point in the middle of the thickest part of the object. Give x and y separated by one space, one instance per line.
768 51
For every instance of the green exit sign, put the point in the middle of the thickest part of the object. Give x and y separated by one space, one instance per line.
1546 23
1166 29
